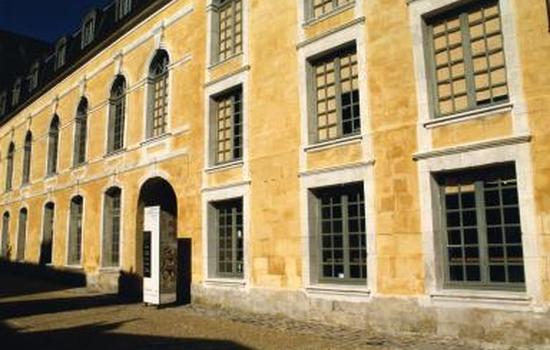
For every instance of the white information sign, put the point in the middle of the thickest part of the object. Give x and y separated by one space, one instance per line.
151 258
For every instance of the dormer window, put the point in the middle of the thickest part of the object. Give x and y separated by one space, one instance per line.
16 93
33 77
60 53
3 102
88 29
123 7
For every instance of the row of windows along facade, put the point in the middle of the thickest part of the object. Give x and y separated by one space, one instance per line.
480 233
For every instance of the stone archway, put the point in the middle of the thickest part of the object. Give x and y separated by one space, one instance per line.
158 210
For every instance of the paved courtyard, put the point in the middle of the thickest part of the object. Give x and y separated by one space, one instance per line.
36 315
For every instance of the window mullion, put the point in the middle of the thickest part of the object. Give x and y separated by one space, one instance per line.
444 235
234 240
468 60
482 232
345 235
338 92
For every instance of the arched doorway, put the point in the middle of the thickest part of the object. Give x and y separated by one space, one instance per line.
158 256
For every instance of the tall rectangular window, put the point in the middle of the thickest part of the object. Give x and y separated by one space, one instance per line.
228 126
22 235
27 154
3 103
5 248
75 231
88 31
111 228
319 8
229 238
482 238
123 7
341 247
9 167
466 61
230 28
47 234
81 133
336 95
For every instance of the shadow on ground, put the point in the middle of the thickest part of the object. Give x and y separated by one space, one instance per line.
16 302
103 336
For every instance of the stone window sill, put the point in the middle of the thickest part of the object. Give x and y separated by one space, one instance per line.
224 166
156 139
113 270
222 62
335 290
225 282
468 115
342 141
116 153
314 20
482 299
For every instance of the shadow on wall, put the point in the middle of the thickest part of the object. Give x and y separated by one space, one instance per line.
41 278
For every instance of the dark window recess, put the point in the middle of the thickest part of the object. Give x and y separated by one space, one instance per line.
481 222
336 95
466 58
228 125
342 233
230 238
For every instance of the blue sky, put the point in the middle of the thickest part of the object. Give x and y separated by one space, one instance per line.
44 19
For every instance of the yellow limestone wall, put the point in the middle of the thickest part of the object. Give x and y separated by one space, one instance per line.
273 118
534 45
127 170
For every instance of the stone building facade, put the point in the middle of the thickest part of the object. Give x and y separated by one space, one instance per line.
367 162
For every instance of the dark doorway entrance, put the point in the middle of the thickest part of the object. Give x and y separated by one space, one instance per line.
174 256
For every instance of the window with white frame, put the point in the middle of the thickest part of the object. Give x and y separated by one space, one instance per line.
111 227
5 248
334 100
481 236
227 126
75 231
33 77
53 146
88 30
16 92
117 113
21 235
339 242
27 155
60 53
80 133
226 237
123 7
320 8
9 166
157 108
3 102
227 35
465 58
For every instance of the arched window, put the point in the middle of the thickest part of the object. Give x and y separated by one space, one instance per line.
9 167
117 113
75 231
158 94
53 144
22 235
111 227
47 234
80 132
4 252
27 158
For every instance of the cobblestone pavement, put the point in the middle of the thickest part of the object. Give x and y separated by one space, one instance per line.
52 318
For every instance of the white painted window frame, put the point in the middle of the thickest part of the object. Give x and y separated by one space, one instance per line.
233 191
338 176
420 9
506 152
